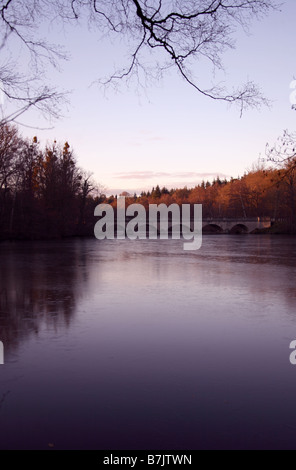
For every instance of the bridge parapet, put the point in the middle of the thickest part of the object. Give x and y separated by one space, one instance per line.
246 225
227 225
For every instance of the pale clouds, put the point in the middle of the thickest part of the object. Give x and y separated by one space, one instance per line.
151 175
138 181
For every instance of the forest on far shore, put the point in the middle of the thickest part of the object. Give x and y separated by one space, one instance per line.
44 194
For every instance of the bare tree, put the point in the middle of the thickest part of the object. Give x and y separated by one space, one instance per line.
179 33
24 86
11 146
283 152
283 155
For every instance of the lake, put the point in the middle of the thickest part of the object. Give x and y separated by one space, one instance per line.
140 345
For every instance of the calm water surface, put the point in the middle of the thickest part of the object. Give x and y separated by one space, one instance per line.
140 345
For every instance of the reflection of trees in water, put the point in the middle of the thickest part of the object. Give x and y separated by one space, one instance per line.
39 287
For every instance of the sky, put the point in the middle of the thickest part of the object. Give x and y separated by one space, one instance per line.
167 133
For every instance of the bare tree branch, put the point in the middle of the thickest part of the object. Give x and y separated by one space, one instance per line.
178 33
283 151
186 31
21 90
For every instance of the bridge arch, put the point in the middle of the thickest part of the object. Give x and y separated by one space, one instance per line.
212 228
239 229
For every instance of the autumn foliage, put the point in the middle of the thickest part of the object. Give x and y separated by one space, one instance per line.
44 194
261 192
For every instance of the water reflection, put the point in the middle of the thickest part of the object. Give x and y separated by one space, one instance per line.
40 284
139 345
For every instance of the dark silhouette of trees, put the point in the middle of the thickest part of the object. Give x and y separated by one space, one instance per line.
43 193
156 192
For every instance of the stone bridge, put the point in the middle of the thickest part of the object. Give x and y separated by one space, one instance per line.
244 225
225 225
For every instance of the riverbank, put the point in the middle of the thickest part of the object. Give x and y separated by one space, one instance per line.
278 228
274 230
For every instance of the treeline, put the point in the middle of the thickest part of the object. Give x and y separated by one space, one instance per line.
43 193
261 192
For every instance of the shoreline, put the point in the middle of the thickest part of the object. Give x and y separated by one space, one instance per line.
274 231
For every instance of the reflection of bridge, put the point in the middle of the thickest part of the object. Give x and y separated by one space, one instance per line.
246 225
